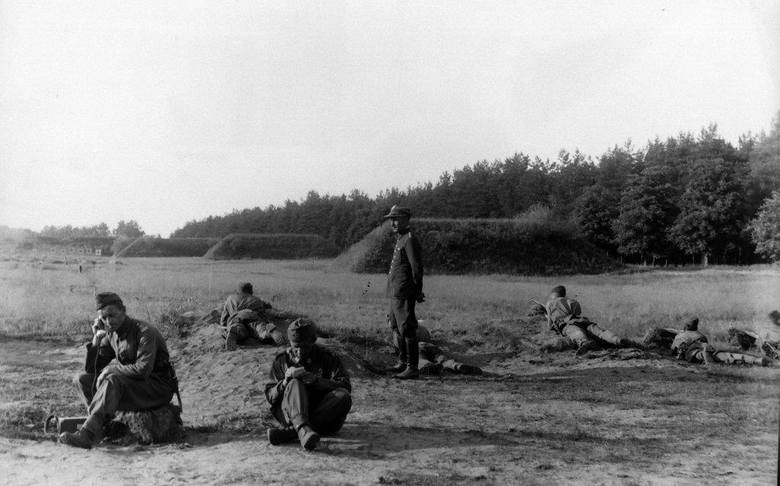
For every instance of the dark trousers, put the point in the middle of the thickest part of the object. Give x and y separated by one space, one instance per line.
582 333
403 321
325 412
265 332
120 393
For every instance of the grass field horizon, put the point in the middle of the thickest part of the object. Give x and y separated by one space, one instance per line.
54 299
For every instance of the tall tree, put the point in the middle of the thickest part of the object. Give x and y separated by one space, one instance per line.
765 228
711 209
129 229
645 212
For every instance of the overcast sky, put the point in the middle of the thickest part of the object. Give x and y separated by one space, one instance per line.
165 112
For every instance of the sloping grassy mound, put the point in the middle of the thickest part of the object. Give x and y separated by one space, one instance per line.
458 246
168 247
272 247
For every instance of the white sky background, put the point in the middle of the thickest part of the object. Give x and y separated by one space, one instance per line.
169 112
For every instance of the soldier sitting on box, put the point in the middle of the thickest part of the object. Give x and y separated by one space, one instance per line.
310 390
128 369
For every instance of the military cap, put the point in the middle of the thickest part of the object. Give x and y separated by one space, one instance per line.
301 332
104 299
398 212
246 288
692 324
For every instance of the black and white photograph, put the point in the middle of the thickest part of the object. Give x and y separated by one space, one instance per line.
389 242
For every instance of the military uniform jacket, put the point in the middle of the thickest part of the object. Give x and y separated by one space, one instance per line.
322 362
405 278
562 311
138 348
685 340
236 303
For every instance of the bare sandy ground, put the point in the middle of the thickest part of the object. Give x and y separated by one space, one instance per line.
532 419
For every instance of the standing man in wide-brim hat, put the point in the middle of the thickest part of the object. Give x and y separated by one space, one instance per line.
405 290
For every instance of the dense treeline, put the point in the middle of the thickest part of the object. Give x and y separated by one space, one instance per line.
127 229
685 199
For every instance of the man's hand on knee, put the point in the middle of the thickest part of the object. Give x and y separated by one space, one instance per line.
107 371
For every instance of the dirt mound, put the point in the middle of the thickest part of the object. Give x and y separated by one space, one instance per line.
167 247
483 246
227 386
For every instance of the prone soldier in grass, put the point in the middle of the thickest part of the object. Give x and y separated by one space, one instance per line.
564 316
434 359
310 390
128 368
692 345
242 318
405 290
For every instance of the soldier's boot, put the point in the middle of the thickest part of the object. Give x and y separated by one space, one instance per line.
411 372
277 436
398 367
466 369
80 438
770 350
585 347
309 439
767 361
708 355
231 342
87 435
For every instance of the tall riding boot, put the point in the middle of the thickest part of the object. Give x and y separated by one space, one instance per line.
403 356
413 349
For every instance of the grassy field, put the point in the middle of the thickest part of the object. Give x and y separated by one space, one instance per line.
531 418
55 299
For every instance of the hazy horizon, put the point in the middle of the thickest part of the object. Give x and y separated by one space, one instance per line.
165 113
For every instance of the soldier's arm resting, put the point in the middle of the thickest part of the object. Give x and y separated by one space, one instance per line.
98 356
338 378
275 389
145 357
414 253
576 310
223 318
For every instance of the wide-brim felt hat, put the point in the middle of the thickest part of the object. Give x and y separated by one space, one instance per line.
398 212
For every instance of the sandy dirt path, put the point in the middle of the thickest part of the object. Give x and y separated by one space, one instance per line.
598 422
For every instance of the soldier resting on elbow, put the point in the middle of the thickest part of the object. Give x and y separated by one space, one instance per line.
564 316
242 318
693 346
127 369
310 390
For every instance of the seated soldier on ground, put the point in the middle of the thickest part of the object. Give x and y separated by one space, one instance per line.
127 369
243 318
564 316
693 346
310 390
434 360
